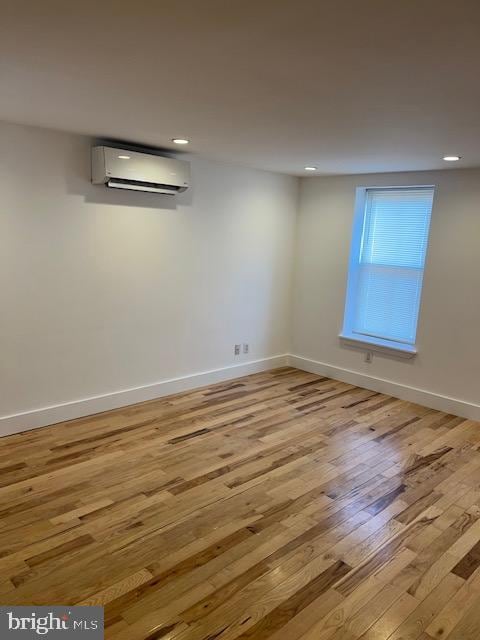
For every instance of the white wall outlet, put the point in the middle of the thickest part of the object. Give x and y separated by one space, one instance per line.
245 347
237 350
368 356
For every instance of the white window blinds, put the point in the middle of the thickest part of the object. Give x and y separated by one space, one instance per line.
388 258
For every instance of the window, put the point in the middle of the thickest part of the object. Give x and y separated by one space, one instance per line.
387 259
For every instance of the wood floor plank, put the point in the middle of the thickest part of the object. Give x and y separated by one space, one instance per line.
281 505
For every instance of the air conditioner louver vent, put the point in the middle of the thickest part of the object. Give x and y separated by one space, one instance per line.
138 185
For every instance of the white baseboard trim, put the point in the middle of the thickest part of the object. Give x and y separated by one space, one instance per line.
27 420
404 392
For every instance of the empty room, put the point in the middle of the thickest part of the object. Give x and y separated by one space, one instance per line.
240 305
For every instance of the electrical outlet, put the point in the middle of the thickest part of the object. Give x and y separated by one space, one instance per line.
245 347
368 356
237 350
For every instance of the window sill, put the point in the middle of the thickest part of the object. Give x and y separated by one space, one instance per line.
380 346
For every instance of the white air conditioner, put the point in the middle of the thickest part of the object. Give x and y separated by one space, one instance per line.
123 169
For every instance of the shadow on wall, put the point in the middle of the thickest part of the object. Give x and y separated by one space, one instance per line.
78 179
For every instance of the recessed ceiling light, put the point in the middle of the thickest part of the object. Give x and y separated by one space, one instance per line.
180 140
310 168
451 158
124 157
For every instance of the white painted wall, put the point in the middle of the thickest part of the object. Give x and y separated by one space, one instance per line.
103 290
448 360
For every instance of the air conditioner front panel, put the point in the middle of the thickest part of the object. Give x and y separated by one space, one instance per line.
143 167
147 169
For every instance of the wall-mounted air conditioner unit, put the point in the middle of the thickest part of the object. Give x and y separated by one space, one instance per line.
123 169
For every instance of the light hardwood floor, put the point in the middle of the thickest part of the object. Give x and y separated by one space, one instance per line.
282 505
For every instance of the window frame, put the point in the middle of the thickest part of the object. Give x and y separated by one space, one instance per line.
347 335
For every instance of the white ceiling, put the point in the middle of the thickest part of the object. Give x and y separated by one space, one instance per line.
346 85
